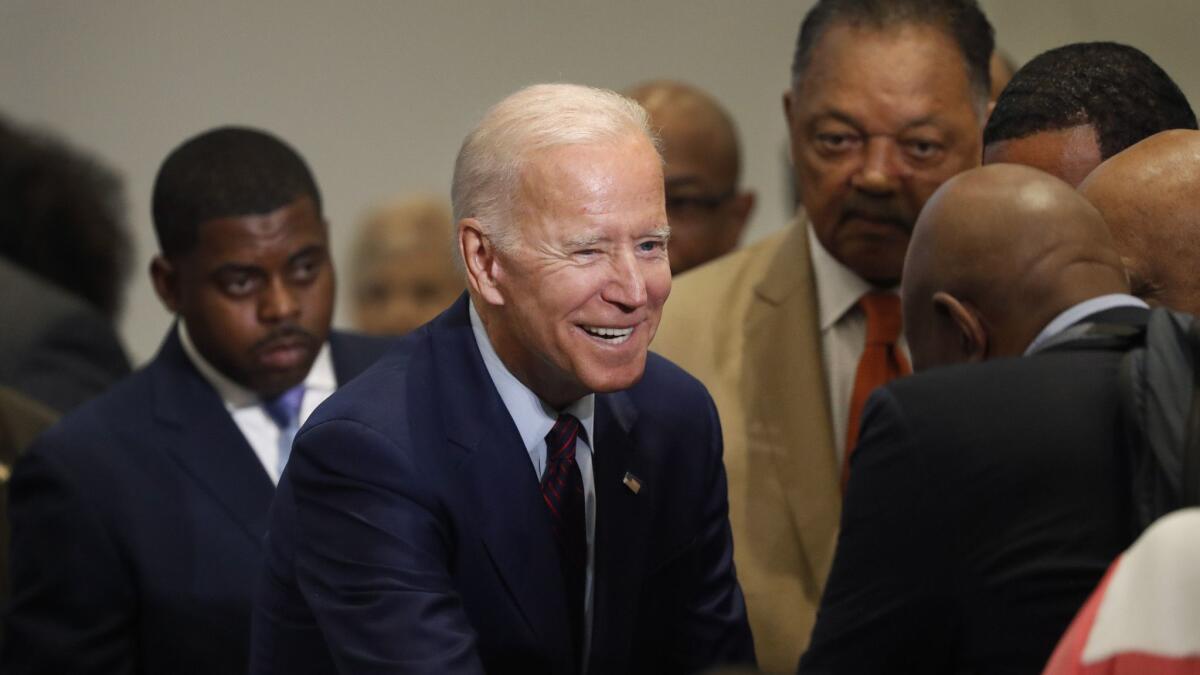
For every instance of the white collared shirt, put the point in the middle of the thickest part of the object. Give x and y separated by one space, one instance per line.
1072 315
535 419
246 407
843 331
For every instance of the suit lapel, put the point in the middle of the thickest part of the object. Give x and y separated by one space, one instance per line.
785 396
500 480
623 520
205 441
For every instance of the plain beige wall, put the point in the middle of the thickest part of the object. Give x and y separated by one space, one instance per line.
378 95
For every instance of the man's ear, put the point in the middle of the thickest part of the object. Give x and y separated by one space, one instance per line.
739 216
165 277
743 206
991 106
479 257
972 331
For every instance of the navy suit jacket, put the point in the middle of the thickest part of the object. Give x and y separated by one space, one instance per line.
137 528
410 536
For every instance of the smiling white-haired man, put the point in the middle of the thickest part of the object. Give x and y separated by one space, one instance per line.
519 486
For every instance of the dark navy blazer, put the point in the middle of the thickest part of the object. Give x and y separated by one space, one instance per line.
410 535
137 528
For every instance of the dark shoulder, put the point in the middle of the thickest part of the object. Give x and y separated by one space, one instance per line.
1002 395
103 432
1066 371
668 390
354 352
379 391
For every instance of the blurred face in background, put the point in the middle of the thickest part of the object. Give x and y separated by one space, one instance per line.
705 206
404 271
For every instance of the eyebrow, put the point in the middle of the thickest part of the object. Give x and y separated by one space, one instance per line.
682 181
930 120
584 240
307 251
589 240
232 268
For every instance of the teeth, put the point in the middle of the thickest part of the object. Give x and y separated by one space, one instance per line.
613 335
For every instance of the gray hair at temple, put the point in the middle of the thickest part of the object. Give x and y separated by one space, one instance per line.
487 172
962 20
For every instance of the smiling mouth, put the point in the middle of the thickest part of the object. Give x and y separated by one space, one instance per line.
613 336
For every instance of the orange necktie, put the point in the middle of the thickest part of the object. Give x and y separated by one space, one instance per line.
880 363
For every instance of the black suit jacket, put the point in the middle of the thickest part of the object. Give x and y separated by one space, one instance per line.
137 528
984 504
410 535
54 347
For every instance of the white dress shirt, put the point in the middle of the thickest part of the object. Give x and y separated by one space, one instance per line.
1074 314
534 419
843 331
245 406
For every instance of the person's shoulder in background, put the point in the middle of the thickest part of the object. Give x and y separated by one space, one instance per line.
55 349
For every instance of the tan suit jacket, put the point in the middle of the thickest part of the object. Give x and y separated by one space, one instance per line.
747 326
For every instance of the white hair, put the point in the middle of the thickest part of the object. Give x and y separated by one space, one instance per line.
488 169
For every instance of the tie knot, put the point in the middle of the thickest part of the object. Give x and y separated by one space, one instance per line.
883 317
284 410
560 442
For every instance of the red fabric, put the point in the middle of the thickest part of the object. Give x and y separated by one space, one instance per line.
881 361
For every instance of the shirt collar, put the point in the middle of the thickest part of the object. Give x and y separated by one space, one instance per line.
534 419
1074 314
320 375
838 287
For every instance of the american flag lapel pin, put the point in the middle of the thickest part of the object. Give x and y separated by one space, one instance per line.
632 482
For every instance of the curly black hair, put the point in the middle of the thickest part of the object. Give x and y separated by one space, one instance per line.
63 217
1117 89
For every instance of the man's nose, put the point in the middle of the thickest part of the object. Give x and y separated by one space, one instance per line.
881 169
627 286
278 301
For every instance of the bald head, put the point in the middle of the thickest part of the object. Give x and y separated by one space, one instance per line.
703 166
403 270
1149 194
997 253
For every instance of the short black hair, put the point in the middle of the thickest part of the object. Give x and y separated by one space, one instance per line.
221 173
1118 90
962 20
63 216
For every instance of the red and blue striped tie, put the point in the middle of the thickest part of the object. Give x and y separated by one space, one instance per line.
562 490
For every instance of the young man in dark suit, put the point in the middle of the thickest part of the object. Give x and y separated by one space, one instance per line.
138 520
986 500
520 487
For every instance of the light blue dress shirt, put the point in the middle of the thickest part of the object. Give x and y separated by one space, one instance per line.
534 419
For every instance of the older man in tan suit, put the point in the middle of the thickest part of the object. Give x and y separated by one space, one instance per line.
887 101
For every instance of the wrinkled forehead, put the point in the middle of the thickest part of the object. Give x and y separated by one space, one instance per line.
582 173
907 70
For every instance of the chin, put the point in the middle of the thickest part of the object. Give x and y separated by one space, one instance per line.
883 269
617 379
